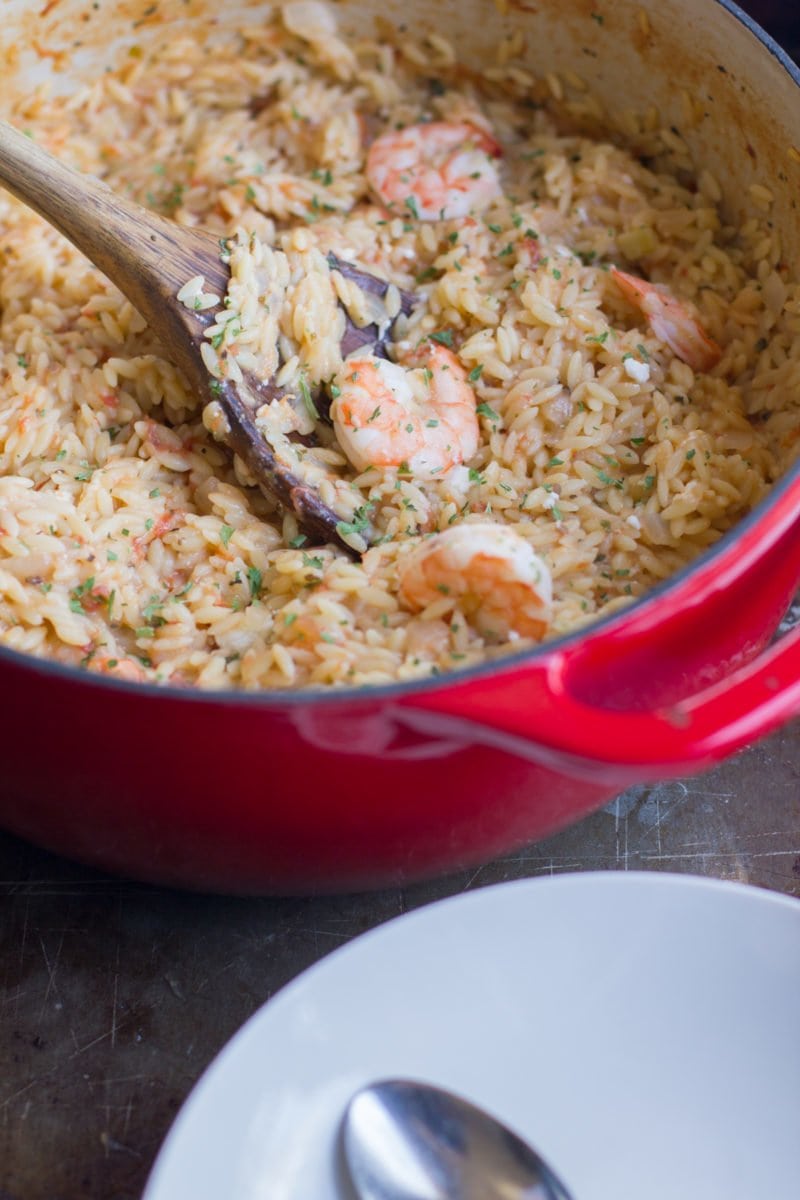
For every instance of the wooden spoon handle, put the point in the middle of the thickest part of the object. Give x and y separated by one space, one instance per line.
146 256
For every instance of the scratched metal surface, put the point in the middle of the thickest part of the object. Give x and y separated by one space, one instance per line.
114 996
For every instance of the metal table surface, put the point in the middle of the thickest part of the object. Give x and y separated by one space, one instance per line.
115 996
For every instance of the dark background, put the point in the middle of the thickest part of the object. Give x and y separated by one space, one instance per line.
114 996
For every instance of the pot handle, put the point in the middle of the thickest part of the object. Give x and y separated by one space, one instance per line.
542 708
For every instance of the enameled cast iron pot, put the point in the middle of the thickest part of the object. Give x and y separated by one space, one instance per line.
291 793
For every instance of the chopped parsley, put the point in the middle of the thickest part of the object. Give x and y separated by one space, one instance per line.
77 595
475 373
308 399
225 534
254 580
443 336
485 410
608 481
359 524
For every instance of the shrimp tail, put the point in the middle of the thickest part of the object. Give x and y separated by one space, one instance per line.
671 321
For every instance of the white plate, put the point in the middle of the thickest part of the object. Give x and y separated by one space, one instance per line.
642 1030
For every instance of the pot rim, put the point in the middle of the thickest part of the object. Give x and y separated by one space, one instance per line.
655 598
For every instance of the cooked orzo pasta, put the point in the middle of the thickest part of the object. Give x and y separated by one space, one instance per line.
598 378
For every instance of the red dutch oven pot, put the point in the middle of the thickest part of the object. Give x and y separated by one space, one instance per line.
317 791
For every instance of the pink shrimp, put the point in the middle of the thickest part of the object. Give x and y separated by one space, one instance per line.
671 321
435 171
424 415
491 572
118 668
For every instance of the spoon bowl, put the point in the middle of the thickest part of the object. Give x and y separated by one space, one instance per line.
407 1140
150 259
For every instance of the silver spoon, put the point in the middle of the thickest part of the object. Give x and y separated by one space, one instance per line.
405 1140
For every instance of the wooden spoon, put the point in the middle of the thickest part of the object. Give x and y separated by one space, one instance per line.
150 259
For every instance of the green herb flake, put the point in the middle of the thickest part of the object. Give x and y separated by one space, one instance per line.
77 594
485 410
289 618
298 541
308 399
600 339
61 454
690 455
475 373
608 481
148 525
411 205
556 462
643 352
313 561
475 476
598 18
443 336
225 534
254 580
